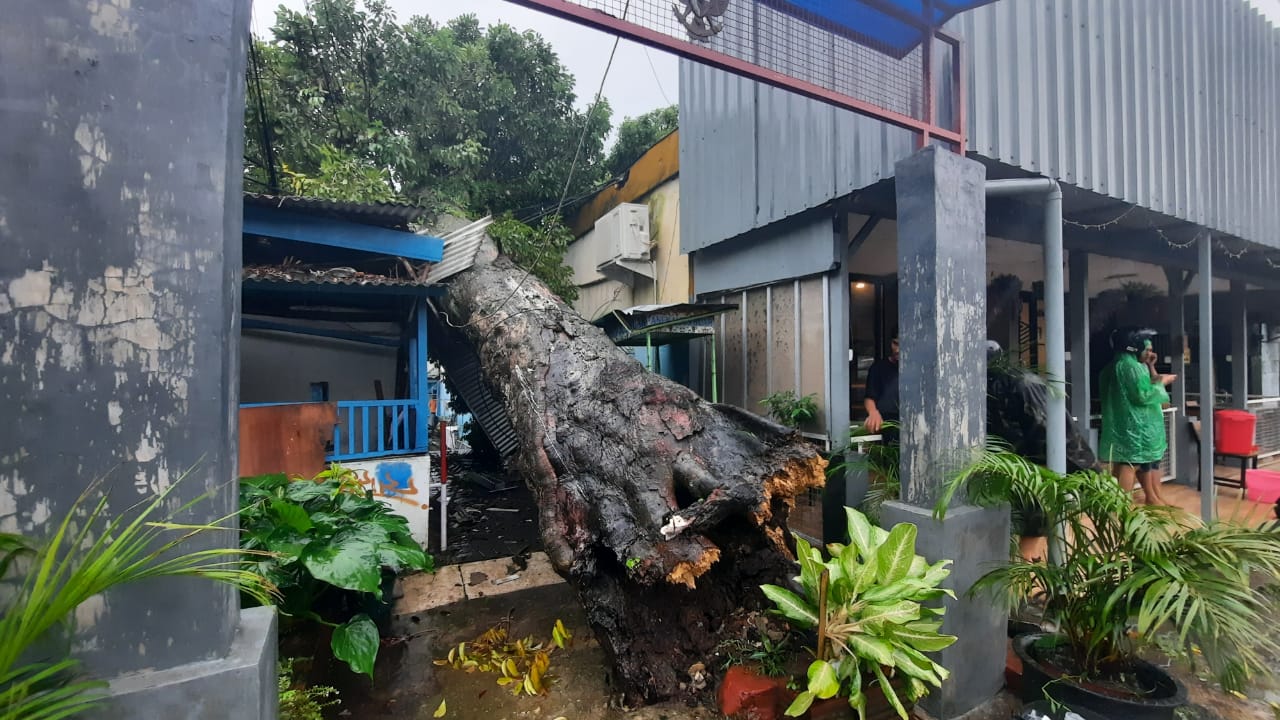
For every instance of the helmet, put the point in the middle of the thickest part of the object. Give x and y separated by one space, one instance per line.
1132 340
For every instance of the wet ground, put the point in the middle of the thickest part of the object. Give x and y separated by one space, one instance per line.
408 686
490 515
492 572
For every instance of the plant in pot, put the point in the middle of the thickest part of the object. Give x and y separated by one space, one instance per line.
1122 573
881 462
866 605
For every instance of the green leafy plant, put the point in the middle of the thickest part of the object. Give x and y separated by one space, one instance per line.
299 701
866 603
91 551
1126 571
771 655
540 250
996 473
453 115
790 410
330 545
521 664
636 135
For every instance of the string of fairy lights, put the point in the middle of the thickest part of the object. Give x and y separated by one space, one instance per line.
1232 251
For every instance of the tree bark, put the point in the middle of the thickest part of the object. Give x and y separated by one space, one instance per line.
664 511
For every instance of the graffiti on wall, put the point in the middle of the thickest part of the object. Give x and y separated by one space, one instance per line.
403 484
401 481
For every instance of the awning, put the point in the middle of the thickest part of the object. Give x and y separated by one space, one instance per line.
661 324
895 27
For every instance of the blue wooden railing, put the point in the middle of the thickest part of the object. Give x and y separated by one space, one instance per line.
377 428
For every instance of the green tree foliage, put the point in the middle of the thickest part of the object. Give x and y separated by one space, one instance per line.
455 117
539 249
636 135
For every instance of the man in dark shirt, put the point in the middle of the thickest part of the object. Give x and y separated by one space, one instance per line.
881 402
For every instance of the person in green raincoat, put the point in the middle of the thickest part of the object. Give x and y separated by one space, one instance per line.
1133 437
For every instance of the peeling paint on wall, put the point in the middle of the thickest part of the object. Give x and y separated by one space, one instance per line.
94 154
110 18
118 288
112 321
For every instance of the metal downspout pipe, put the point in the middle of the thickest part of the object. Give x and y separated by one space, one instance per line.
1054 309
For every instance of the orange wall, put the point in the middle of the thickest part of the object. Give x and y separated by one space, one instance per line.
659 164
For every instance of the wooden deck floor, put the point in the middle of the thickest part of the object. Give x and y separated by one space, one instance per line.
1231 506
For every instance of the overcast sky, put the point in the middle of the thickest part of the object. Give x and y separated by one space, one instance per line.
640 79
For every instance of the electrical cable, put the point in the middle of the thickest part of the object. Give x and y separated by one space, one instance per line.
564 193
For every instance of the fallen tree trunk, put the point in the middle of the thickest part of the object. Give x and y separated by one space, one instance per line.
665 512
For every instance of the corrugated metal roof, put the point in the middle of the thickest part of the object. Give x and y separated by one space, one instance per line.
326 276
382 214
460 248
466 376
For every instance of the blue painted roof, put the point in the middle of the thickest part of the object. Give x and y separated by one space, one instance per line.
892 26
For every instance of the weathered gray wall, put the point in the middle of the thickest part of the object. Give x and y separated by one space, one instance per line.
1173 105
119 195
782 252
942 299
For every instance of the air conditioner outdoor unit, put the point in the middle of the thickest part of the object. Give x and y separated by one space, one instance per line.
625 231
624 243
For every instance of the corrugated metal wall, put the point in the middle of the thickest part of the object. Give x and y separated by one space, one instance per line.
751 154
775 341
1173 105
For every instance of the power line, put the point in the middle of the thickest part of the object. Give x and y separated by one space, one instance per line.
268 151
656 79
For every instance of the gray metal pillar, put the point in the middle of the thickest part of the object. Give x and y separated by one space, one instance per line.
1208 491
120 219
1239 345
838 411
1183 457
1054 314
1081 393
1055 333
942 323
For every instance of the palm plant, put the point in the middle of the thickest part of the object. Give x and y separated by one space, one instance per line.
1005 475
1126 571
90 553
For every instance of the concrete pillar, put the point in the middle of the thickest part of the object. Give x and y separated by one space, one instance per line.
119 283
1184 457
942 321
1081 393
1239 324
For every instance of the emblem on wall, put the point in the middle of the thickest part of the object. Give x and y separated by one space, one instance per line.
701 18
